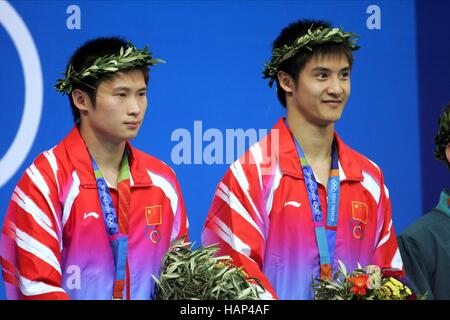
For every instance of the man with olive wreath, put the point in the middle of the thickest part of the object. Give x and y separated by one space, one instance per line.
300 200
92 217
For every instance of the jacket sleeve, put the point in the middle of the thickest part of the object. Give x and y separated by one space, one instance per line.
180 224
238 222
387 254
31 239
417 255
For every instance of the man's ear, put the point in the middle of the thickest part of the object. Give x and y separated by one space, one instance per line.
81 100
286 82
447 152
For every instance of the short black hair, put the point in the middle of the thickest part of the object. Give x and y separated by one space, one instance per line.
294 65
85 56
442 138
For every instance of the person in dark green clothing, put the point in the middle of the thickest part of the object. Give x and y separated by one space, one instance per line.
425 245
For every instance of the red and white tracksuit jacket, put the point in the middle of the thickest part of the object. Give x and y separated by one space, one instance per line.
54 243
261 216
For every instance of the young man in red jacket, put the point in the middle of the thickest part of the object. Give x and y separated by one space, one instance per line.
92 217
300 199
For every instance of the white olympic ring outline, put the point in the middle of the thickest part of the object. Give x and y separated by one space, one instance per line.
34 92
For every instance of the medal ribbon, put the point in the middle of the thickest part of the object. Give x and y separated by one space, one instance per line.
116 226
325 234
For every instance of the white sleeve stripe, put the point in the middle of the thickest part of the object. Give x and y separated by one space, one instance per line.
171 193
257 155
38 179
230 198
50 155
32 288
239 174
274 187
370 184
74 190
227 235
40 183
397 262
380 226
36 248
53 164
386 237
386 191
176 227
32 209
167 188
28 205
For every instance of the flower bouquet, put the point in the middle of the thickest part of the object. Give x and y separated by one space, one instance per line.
368 283
188 274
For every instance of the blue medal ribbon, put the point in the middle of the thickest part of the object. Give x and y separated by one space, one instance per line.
118 241
325 234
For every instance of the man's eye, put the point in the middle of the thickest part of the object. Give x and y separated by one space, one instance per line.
121 94
322 75
345 75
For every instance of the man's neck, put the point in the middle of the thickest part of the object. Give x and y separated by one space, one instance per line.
316 141
107 154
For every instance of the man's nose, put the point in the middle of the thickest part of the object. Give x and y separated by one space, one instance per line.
335 87
133 107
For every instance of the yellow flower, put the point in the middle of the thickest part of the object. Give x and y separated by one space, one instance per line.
390 290
384 293
397 283
393 289
408 291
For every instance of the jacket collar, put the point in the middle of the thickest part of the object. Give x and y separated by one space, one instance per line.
78 154
349 166
444 202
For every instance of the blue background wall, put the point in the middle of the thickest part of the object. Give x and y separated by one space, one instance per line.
433 53
215 52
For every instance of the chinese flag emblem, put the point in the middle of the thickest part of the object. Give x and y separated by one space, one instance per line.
153 215
360 211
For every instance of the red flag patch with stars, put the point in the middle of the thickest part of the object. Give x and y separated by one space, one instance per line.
360 211
153 215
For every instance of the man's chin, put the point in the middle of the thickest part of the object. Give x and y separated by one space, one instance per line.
335 116
130 135
329 121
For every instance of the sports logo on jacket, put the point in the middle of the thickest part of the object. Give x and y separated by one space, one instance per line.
91 214
360 214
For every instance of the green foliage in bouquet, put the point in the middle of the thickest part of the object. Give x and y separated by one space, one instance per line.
188 274
369 283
